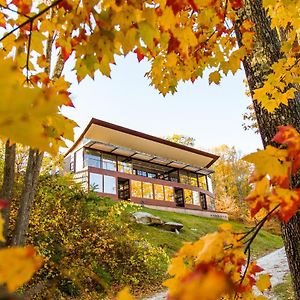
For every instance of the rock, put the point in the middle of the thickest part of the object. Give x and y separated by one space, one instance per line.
147 219
172 226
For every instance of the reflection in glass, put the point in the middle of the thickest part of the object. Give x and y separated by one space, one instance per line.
183 177
209 183
210 203
159 192
147 190
196 198
136 189
188 196
110 185
193 179
202 182
124 165
169 193
109 162
96 182
92 159
203 201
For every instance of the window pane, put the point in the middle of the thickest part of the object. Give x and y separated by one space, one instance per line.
188 196
209 183
125 167
210 203
147 190
110 185
151 175
136 189
159 192
184 178
196 198
193 180
92 158
109 162
202 182
203 201
141 173
169 193
96 182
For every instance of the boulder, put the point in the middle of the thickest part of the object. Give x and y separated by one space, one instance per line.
147 219
172 226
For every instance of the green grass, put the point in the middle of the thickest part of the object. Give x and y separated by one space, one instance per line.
195 227
284 291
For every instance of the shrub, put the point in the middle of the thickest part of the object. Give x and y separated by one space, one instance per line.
88 243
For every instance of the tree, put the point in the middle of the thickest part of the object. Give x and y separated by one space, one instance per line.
181 139
180 38
230 181
268 69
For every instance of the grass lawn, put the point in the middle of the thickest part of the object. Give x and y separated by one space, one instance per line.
284 291
195 227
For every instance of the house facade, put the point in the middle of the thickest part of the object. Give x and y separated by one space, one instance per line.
125 164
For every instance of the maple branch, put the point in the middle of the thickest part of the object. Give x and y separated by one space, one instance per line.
257 228
247 265
28 51
31 19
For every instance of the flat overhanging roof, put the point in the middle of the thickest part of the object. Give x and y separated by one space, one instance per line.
130 143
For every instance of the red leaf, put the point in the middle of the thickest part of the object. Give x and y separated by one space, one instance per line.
140 56
236 4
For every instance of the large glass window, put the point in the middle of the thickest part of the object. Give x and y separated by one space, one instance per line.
169 193
147 190
109 162
124 165
92 159
196 198
136 189
110 185
159 192
188 196
96 182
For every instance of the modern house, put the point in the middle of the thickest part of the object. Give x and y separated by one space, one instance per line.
125 164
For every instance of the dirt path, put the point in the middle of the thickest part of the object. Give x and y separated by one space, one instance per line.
274 263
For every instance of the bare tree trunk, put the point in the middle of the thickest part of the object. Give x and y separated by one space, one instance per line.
8 183
31 178
34 164
257 66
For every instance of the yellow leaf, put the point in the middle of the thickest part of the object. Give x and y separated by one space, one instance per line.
148 33
124 295
171 60
270 161
263 283
17 266
214 77
26 113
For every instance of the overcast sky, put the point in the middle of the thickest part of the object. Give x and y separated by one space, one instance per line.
212 114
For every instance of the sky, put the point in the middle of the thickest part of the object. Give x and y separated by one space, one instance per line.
211 114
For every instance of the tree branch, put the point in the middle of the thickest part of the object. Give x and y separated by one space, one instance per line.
31 19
